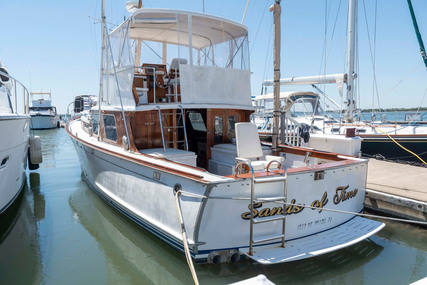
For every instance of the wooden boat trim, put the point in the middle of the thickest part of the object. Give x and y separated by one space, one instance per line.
192 176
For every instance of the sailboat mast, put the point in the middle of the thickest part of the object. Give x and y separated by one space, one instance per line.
351 49
417 32
101 84
277 10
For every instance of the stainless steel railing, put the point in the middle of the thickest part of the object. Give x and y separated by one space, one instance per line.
14 87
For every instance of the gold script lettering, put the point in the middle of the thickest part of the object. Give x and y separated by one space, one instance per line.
341 194
321 203
267 212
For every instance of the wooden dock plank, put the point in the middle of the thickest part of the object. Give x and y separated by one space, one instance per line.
398 179
397 189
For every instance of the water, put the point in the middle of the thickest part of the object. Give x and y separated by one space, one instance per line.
60 232
397 116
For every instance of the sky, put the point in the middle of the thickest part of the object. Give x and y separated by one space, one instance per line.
55 46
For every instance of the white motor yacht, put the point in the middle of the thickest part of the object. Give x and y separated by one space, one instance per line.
14 140
171 138
43 114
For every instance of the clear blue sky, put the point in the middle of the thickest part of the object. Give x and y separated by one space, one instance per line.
54 45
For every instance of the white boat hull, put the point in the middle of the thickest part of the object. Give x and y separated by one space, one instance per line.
146 195
41 122
13 157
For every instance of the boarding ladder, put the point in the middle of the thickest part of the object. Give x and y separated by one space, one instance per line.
170 130
254 221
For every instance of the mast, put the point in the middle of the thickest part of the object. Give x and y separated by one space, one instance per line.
351 51
417 32
138 46
277 10
101 81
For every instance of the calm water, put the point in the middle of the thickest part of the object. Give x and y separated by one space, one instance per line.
397 116
60 232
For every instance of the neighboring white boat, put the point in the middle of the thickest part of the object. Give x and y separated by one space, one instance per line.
14 139
166 136
81 106
43 114
390 140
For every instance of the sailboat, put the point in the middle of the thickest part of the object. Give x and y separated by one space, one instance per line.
388 140
171 137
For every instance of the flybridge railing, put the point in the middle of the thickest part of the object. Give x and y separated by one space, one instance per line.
14 88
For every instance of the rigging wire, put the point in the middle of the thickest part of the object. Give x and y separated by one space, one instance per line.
333 30
375 51
372 56
259 26
403 79
419 107
266 62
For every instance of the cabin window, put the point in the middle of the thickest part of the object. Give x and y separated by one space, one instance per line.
95 124
231 133
218 130
197 123
110 127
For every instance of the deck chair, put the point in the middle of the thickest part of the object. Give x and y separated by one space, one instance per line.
249 147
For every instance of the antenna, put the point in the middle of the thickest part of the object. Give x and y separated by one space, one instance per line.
244 14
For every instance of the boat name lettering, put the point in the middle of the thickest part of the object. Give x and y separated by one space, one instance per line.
267 212
341 194
321 203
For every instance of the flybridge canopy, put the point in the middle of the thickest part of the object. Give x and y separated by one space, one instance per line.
174 26
212 55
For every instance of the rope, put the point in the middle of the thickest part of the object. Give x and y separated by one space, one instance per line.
305 206
354 213
184 238
401 145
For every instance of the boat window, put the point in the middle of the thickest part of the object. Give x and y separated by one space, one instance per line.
110 127
218 135
40 108
196 120
231 134
95 124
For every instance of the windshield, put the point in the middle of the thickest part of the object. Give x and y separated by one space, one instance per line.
306 107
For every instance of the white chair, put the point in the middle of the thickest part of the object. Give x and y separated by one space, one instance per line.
249 147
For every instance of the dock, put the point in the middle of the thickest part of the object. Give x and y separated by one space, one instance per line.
395 189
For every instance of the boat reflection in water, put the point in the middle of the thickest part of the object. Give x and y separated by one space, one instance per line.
19 237
134 255
131 253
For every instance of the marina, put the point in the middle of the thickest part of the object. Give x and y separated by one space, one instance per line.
68 235
174 172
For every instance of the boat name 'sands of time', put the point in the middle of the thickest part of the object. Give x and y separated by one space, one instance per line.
341 195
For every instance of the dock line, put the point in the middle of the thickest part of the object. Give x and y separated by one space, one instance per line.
184 238
311 207
401 145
